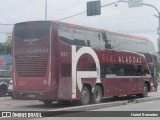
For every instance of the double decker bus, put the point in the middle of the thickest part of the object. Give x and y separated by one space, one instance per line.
55 61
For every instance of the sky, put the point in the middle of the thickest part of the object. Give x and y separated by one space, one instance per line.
135 21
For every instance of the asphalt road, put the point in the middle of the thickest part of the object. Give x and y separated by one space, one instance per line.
145 106
9 104
141 108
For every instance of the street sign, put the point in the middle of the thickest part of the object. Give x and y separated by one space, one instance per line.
93 8
135 3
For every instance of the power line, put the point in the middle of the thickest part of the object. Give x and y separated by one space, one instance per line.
48 6
75 14
72 16
6 24
5 32
84 12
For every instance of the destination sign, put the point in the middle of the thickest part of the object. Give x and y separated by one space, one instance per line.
128 59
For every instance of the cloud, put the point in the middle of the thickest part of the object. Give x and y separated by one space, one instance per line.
120 18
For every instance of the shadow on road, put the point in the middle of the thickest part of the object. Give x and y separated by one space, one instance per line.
68 104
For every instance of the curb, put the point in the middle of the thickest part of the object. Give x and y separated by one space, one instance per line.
146 99
61 111
93 106
106 105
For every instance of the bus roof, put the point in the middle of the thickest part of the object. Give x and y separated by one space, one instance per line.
101 30
89 28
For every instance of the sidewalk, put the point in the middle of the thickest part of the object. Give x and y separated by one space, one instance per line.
154 94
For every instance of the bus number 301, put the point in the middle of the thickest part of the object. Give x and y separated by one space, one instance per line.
21 83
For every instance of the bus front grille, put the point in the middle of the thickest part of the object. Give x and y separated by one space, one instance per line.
31 66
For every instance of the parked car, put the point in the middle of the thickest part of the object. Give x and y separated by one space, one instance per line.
4 83
10 87
5 78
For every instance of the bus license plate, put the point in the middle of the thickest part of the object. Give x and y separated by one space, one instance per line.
31 95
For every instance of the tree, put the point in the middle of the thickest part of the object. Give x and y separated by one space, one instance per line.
8 44
2 48
158 66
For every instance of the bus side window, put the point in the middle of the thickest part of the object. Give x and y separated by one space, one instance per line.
79 37
140 71
88 43
66 34
66 40
146 71
102 70
119 70
79 42
107 69
107 42
94 39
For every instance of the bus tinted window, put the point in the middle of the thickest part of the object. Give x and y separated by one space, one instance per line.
32 31
80 37
66 34
94 39
122 70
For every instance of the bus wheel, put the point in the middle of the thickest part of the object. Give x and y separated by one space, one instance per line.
3 90
145 91
85 96
97 95
47 102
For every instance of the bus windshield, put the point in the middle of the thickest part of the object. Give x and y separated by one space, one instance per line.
31 31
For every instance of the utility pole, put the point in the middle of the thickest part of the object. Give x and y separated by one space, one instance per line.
158 32
45 9
149 5
158 29
131 3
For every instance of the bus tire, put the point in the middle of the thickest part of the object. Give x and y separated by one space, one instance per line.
47 102
97 95
145 91
3 90
85 96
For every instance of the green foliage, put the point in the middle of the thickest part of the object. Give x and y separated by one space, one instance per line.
5 48
158 66
8 44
